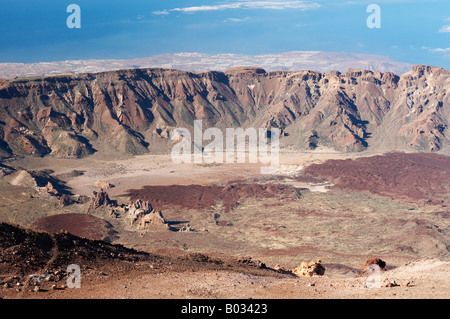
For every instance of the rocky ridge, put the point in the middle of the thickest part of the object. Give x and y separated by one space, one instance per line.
132 112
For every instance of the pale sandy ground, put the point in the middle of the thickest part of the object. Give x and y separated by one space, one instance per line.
428 279
139 171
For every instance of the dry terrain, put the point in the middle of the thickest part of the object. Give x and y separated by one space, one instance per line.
229 232
124 113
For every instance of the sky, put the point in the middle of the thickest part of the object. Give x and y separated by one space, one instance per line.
413 31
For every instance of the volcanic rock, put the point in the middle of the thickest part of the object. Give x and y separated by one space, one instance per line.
420 178
186 228
103 185
390 284
65 200
281 269
374 261
82 225
143 216
99 199
5 170
131 112
154 220
138 209
309 269
39 180
50 188
21 178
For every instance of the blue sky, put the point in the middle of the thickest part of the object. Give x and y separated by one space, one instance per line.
414 31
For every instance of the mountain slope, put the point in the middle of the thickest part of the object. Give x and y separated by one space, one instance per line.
135 111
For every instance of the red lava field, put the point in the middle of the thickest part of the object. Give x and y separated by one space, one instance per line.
204 197
420 177
82 225
423 178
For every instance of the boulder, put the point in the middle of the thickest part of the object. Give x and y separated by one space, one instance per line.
103 185
309 269
374 261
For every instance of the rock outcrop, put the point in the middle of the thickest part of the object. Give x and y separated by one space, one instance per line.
137 210
22 178
99 199
153 221
140 214
50 189
65 200
309 269
143 216
305 269
41 181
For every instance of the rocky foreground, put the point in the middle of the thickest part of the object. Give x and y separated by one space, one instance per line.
35 265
